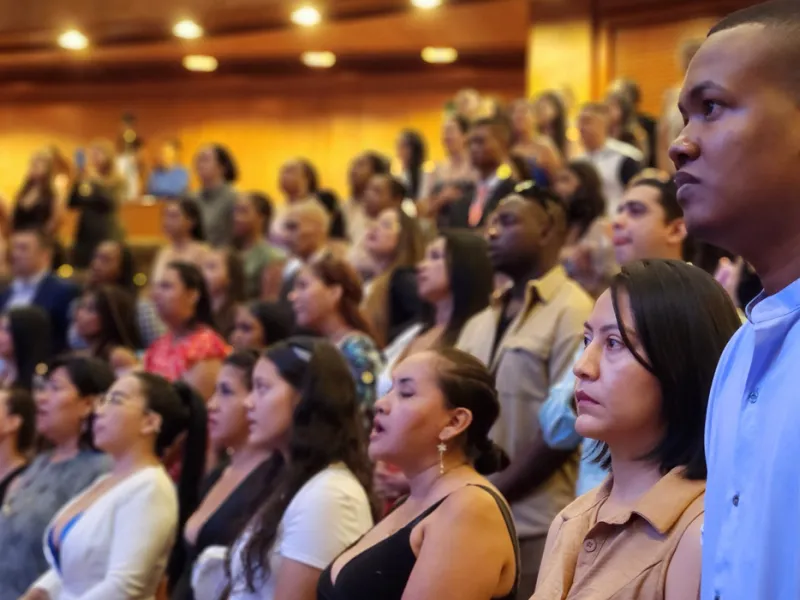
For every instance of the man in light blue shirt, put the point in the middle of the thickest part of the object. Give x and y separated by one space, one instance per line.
738 161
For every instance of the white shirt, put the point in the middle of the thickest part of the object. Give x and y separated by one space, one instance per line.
329 513
119 547
608 162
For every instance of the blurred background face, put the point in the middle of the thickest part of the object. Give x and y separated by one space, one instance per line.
453 139
246 219
6 339
106 264
99 159
403 149
544 113
248 334
566 184
206 166
522 117
513 234
291 180
121 417
227 415
60 410
176 225
378 195
174 302
411 416
640 229
302 233
360 173
87 319
484 147
168 155
312 300
39 168
27 255
384 235
593 128
619 401
433 279
215 272
270 407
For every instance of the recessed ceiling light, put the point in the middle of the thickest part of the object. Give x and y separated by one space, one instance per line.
318 60
426 3
73 40
200 63
439 56
307 16
187 30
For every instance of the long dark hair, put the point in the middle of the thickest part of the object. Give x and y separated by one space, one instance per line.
46 188
465 382
556 130
416 143
676 305
471 276
20 403
31 335
116 309
326 428
588 202
230 172
334 271
192 279
191 211
277 322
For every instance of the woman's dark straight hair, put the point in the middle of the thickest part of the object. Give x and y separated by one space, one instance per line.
419 153
588 202
20 403
276 320
326 428
683 320
116 309
471 276
191 211
230 172
263 205
32 337
557 129
192 279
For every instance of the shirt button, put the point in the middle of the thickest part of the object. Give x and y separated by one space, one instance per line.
590 545
736 500
753 397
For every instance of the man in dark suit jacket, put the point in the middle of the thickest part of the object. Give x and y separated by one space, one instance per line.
489 144
34 284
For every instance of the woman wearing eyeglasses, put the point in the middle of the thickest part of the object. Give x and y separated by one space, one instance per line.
114 540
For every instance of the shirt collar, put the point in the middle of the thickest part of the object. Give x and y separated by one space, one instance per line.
765 308
30 282
661 506
543 289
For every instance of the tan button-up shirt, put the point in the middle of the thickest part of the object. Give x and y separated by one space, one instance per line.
536 349
625 557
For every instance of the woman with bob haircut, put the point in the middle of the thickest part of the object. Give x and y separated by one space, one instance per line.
652 345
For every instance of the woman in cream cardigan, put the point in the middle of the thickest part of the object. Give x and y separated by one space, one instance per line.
113 541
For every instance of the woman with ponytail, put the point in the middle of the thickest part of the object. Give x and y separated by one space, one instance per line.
326 300
453 537
303 407
114 540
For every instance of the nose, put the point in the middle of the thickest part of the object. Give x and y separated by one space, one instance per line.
683 150
491 232
382 405
292 296
212 403
248 402
619 221
587 366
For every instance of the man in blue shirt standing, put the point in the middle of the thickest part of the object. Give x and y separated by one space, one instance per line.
738 161
169 179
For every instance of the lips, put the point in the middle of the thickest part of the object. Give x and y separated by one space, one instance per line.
377 428
584 399
620 241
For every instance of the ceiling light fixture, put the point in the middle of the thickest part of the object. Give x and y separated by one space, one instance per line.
200 63
318 60
306 16
426 4
187 30
439 56
73 40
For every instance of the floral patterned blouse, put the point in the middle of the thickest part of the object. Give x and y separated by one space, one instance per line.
171 357
365 363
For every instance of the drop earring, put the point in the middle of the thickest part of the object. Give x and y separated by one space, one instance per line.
442 448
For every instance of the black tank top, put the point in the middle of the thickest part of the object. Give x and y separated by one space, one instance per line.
382 571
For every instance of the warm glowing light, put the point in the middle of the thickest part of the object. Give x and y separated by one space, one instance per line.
73 40
426 4
307 16
318 60
187 29
439 56
200 63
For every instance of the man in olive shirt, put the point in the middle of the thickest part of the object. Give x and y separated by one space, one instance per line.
528 337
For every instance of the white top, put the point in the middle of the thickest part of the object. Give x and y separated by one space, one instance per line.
329 513
119 547
608 162
392 354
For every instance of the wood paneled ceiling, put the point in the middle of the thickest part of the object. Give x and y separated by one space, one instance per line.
133 39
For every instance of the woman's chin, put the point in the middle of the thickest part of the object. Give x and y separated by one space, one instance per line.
588 426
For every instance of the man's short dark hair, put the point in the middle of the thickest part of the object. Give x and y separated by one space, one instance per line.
783 18
377 162
667 196
499 125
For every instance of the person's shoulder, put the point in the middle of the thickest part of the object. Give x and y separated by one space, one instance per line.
474 506
335 483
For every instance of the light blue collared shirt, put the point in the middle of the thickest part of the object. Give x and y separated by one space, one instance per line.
751 539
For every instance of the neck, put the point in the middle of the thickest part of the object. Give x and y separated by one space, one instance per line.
458 156
594 147
424 480
334 327
525 136
133 460
632 478
246 456
181 242
66 450
10 457
489 170
777 263
536 271
444 310
250 240
183 329
357 196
